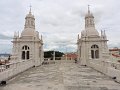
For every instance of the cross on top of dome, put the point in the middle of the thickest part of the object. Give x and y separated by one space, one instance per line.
30 9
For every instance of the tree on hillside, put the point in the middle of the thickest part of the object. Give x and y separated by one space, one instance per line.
49 54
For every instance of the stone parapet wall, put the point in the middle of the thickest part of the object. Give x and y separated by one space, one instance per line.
108 68
14 69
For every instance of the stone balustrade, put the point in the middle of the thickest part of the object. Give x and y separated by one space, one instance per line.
112 64
10 70
109 68
3 68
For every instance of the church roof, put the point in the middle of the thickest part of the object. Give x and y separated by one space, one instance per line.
115 49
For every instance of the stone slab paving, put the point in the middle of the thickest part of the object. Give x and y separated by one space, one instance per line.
61 76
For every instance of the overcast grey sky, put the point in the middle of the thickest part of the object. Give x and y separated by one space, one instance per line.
59 21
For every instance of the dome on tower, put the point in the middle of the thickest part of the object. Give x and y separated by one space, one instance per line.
90 32
89 15
28 32
29 15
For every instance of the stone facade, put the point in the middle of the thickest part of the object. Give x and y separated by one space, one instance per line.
28 45
91 45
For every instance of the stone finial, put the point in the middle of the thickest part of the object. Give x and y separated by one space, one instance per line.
15 34
101 33
78 36
104 33
41 37
18 34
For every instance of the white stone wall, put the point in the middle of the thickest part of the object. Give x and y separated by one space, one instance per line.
15 68
110 69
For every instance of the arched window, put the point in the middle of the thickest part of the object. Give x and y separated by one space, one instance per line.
94 51
87 22
32 23
28 22
39 51
91 22
25 52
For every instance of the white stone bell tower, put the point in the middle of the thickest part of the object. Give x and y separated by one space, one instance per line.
28 46
91 45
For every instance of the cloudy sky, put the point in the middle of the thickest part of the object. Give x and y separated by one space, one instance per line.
59 21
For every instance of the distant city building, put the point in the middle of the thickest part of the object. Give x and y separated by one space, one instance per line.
4 58
4 55
28 45
115 51
91 46
115 54
69 56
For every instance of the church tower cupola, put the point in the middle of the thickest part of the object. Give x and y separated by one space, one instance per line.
89 19
90 30
28 46
29 27
29 20
91 46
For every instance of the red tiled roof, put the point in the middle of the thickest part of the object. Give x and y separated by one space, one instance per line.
72 55
114 49
115 55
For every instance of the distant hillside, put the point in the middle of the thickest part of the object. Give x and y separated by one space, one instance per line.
49 54
4 37
4 55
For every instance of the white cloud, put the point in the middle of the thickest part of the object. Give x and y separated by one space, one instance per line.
59 21
60 41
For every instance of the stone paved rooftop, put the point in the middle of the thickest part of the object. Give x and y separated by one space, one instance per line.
61 76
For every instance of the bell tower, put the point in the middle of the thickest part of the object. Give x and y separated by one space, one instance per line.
91 46
28 46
